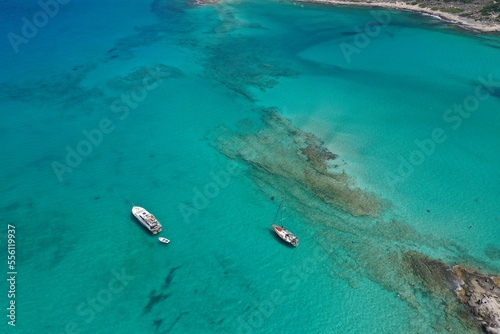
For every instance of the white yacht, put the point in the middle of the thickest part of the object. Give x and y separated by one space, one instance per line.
147 219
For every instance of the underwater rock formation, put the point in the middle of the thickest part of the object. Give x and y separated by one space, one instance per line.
283 150
479 293
144 75
434 275
360 244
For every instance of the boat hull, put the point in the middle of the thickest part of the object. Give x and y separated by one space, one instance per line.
286 235
164 240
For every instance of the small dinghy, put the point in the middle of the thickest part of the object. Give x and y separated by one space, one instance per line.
164 240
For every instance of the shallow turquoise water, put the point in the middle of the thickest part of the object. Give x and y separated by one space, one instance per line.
224 271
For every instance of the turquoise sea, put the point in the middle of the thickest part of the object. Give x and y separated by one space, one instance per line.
207 116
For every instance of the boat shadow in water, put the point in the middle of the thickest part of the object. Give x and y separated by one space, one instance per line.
137 223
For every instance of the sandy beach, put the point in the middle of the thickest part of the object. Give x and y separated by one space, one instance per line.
452 18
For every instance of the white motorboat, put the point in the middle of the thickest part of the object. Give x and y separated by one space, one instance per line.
147 219
164 240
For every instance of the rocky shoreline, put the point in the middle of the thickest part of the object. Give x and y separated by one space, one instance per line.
474 16
481 294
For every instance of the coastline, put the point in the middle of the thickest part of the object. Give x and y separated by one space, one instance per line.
469 24
480 293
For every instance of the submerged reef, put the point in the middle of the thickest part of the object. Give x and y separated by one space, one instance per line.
350 223
146 75
436 279
282 150
479 293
